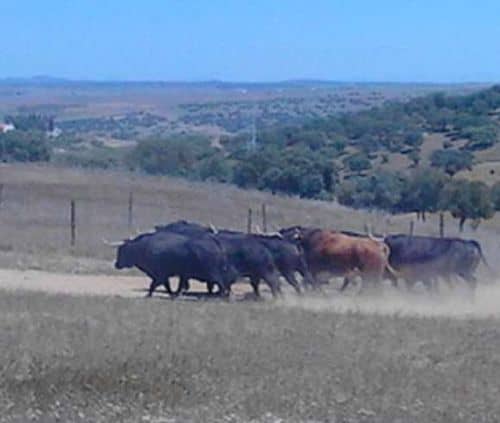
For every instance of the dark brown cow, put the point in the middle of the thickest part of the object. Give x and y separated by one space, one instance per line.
342 255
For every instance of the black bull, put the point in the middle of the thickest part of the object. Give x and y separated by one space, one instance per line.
424 258
162 255
254 256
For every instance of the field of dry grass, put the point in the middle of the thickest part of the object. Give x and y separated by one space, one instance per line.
83 359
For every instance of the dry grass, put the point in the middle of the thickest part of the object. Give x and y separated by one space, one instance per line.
97 359
34 213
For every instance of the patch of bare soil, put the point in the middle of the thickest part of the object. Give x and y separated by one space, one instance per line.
76 284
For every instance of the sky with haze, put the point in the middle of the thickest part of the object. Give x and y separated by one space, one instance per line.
253 40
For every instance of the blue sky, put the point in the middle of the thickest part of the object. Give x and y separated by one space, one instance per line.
254 40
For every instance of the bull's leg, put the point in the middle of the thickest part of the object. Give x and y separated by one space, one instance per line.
347 281
392 278
167 286
292 280
210 287
254 281
224 291
427 284
152 286
183 286
308 280
273 281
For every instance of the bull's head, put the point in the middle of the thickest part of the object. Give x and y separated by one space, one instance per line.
124 258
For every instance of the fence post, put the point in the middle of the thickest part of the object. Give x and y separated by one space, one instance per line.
249 221
412 227
441 224
73 223
264 217
130 219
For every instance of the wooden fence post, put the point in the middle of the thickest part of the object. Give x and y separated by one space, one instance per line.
249 221
130 219
264 218
73 223
441 224
412 227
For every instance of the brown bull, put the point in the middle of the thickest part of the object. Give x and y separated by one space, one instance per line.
342 255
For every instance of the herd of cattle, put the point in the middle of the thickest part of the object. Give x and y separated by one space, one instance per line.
221 257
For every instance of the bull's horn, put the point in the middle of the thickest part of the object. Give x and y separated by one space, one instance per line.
213 229
112 243
277 234
376 238
147 231
373 237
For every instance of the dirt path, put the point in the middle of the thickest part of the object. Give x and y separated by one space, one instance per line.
114 285
451 304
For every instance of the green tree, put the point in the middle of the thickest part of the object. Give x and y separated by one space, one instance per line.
31 122
24 146
422 191
311 185
215 168
467 200
246 174
357 162
451 161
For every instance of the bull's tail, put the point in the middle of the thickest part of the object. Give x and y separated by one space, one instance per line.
393 272
483 259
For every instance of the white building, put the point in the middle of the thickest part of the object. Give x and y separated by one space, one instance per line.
6 127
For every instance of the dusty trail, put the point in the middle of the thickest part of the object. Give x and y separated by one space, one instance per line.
450 304
107 285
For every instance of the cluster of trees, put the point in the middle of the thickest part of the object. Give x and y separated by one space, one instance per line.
189 156
31 122
452 161
292 171
28 142
300 171
424 191
24 146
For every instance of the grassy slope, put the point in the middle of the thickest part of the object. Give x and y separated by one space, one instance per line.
34 213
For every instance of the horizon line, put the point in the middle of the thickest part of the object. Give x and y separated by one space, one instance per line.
54 80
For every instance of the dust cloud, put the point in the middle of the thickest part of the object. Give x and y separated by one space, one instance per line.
455 302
